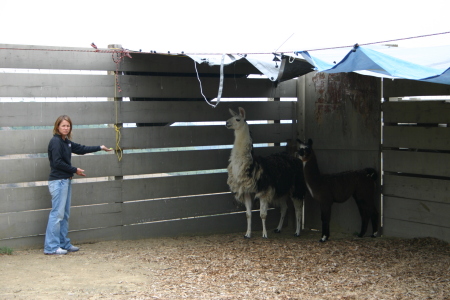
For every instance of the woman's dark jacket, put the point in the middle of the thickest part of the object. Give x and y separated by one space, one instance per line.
60 154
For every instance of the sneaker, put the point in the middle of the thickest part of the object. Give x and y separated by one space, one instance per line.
72 249
58 251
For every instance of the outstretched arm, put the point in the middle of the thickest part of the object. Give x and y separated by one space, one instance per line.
104 148
80 172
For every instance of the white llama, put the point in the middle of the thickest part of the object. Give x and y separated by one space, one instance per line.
271 179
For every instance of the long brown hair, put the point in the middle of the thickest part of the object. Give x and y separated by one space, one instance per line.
58 122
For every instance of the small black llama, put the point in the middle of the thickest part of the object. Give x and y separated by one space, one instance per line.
271 179
330 188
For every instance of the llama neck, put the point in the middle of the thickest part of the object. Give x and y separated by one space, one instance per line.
242 144
312 173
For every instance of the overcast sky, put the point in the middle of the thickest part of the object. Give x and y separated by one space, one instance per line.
229 26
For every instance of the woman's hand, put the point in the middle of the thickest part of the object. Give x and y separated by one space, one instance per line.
80 172
104 148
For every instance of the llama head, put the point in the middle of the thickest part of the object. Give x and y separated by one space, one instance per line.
237 121
304 151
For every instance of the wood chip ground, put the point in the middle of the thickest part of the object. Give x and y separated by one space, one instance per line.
231 267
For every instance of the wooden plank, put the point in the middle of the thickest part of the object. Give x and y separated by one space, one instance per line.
176 208
54 58
417 188
18 114
432 112
23 199
228 223
77 237
30 223
62 85
107 164
176 136
187 136
68 58
424 163
38 169
174 161
22 243
418 211
404 88
405 229
96 216
174 186
432 138
231 223
36 141
38 197
104 112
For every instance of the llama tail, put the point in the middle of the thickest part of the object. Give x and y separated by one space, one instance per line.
372 173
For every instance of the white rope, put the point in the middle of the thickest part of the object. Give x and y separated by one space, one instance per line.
219 96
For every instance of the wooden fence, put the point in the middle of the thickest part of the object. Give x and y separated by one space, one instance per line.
416 160
171 180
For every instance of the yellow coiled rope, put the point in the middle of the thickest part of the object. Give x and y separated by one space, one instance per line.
118 151
117 128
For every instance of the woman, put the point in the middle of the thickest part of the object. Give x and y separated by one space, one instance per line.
60 151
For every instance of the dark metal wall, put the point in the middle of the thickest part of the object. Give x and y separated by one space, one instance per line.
408 140
341 114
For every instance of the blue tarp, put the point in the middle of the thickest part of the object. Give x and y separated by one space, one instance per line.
430 64
426 64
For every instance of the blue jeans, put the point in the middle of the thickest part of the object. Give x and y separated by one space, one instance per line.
58 220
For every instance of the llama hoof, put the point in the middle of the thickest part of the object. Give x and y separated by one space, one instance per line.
277 231
296 234
373 236
246 237
323 239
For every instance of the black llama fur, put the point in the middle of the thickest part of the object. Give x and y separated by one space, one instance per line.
330 188
270 179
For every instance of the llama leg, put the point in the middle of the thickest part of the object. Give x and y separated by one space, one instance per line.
248 213
263 214
364 224
374 218
283 210
298 205
363 212
325 217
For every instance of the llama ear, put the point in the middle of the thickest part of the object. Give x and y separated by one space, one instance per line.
242 112
310 142
233 113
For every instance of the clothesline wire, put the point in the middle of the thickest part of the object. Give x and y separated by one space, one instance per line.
243 53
